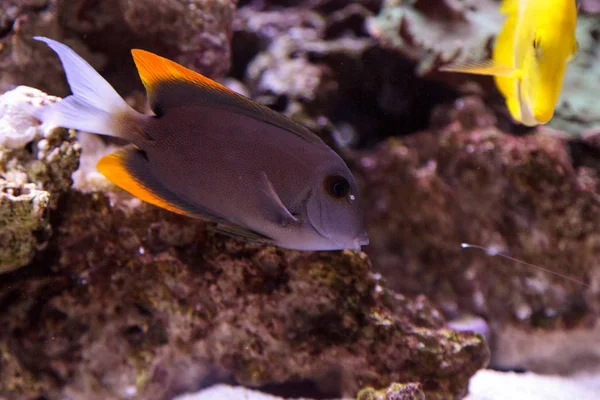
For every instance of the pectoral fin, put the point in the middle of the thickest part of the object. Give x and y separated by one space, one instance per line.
237 231
486 67
277 211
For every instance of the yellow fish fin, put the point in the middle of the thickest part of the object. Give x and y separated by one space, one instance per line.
169 84
485 67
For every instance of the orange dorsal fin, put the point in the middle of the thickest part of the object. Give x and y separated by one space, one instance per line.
169 84
155 70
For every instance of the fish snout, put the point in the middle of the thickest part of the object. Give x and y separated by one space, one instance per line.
543 115
361 240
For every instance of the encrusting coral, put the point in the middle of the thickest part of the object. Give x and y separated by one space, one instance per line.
35 168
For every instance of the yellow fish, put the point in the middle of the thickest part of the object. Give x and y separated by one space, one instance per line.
530 56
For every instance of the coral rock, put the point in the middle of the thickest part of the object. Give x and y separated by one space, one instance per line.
574 111
292 58
432 33
395 391
147 302
35 168
197 32
194 33
469 182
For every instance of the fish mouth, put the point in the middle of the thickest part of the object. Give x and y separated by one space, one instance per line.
527 117
361 240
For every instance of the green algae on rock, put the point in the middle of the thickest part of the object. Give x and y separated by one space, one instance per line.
396 391
23 226
35 168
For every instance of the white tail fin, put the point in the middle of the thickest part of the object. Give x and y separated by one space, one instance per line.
493 251
94 105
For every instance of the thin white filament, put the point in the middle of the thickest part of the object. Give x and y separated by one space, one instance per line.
493 251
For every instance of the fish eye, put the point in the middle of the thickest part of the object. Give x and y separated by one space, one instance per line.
537 45
337 186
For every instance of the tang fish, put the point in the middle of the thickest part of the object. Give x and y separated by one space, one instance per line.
530 56
210 153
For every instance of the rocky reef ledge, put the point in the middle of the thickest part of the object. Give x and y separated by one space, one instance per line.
118 299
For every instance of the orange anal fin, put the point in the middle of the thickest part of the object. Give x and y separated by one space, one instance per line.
117 168
129 169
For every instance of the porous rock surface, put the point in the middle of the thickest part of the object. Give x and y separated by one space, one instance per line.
129 301
395 391
195 33
133 301
316 62
465 181
35 168
432 33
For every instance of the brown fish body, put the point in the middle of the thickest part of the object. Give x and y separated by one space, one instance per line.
210 153
194 152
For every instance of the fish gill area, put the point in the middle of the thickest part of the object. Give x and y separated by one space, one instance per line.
103 296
